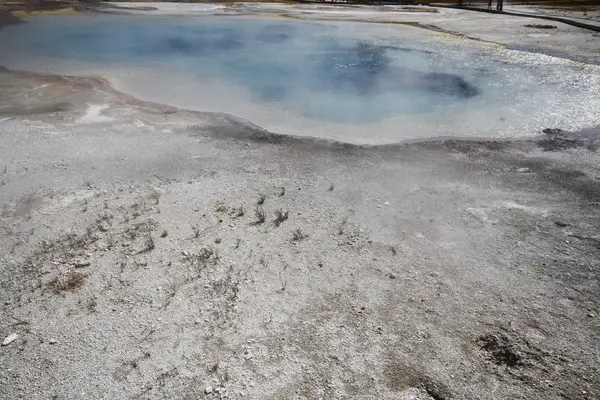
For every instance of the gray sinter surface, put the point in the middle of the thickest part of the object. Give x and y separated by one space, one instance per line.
139 258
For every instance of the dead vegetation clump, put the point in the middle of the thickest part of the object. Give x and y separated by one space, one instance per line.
280 216
201 259
261 216
69 282
239 212
298 235
221 208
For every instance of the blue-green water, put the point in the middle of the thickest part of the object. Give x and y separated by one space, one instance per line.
334 73
276 61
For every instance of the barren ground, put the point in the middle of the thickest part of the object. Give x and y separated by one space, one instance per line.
148 252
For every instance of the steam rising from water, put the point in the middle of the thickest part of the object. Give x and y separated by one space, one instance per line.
355 82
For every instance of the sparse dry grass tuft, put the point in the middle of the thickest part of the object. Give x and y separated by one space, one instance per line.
71 281
239 212
196 230
204 257
148 244
261 215
280 216
298 235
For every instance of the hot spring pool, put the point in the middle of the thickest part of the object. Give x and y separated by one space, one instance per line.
355 82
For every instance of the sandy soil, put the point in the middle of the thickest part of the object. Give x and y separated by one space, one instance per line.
148 252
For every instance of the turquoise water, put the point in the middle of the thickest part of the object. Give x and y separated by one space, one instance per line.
394 81
276 61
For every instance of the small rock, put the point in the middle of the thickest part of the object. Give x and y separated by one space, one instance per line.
82 264
9 339
392 276
52 341
208 390
552 131
591 315
522 169
560 224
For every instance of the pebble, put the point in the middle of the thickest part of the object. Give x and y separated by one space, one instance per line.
392 276
208 390
82 264
52 341
591 315
9 339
